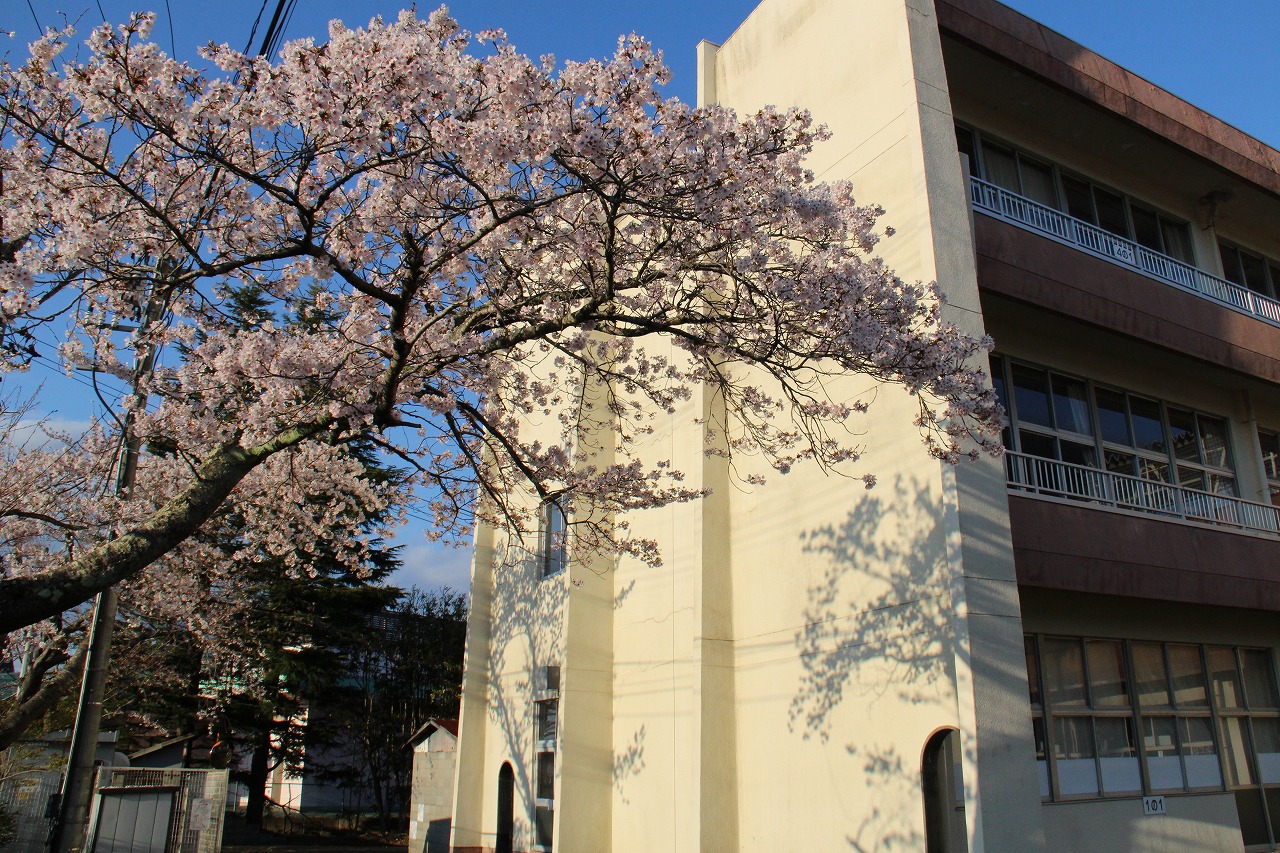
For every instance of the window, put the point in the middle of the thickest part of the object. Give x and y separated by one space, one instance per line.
1019 173
547 713
544 811
1270 443
545 730
1128 717
1055 416
1089 719
1077 196
552 539
1244 268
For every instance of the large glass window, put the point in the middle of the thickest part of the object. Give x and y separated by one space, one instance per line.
1242 267
1056 416
1119 718
1079 197
1015 171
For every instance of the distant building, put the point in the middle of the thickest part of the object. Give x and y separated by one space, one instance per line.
435 749
1070 649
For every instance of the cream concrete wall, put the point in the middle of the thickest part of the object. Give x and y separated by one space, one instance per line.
525 634
886 603
431 793
585 756
472 772
674 712
521 622
773 684
516 626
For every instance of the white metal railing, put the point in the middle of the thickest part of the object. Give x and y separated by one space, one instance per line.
1052 478
1032 215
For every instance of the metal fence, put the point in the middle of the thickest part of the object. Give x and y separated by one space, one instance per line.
26 797
1080 482
1022 211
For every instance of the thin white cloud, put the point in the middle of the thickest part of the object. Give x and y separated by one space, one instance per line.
35 434
429 566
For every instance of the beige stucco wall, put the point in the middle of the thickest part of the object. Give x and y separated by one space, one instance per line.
771 686
857 614
829 622
499 688
431 793
515 627
520 622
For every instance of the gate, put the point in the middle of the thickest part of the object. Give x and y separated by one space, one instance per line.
198 808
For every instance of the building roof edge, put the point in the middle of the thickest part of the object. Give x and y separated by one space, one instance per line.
1051 56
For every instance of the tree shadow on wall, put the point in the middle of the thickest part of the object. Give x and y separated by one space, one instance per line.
528 637
628 763
877 626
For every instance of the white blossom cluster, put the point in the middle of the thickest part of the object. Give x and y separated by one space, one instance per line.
446 240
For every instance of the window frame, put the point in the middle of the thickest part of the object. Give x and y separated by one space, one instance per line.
545 744
552 552
1216 715
1101 445
1270 268
1060 174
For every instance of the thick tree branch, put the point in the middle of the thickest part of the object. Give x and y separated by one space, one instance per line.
20 716
28 599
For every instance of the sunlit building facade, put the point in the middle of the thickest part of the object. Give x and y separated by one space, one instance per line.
1069 649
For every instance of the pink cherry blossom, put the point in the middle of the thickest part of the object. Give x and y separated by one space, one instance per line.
453 241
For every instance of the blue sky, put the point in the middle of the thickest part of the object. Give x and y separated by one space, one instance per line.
1220 56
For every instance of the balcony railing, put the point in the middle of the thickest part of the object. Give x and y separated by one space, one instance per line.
1078 482
1055 224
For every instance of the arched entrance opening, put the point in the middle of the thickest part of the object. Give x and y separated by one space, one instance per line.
506 809
943 787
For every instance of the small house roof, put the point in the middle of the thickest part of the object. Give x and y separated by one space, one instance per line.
429 728
156 747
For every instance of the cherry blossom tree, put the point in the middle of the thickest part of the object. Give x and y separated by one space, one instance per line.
218 608
452 239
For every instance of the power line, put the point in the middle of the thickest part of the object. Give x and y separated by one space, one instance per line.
253 31
272 38
288 19
55 367
34 18
173 45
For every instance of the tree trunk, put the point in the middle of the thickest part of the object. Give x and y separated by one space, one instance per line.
16 720
259 775
26 600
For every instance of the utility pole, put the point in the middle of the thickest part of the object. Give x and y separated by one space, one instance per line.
78 783
68 834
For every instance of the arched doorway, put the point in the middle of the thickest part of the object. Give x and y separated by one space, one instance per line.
506 809
943 786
